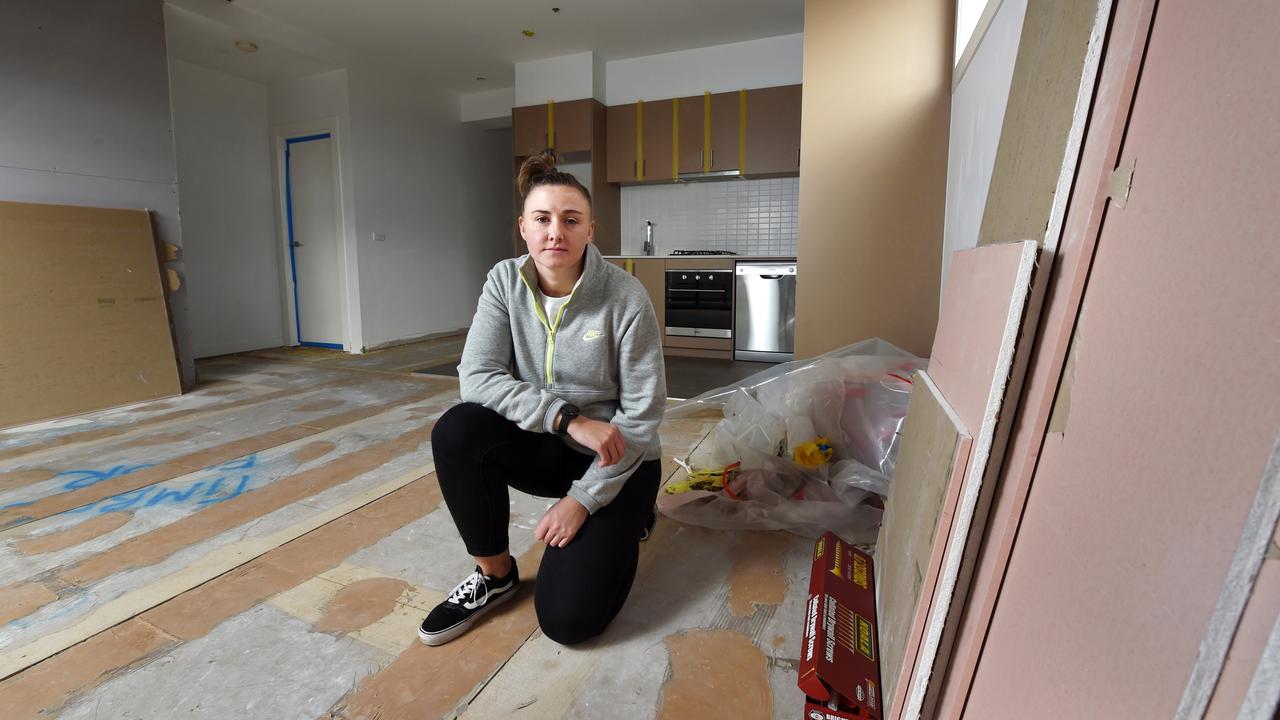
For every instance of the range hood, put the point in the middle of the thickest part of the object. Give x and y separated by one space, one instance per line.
709 176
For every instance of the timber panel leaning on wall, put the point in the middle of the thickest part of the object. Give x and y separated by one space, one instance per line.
82 312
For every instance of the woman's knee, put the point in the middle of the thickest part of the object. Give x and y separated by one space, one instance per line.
578 605
569 626
460 427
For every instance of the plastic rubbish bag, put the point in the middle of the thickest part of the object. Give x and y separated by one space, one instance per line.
811 445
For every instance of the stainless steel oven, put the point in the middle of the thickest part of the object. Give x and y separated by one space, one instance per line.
699 303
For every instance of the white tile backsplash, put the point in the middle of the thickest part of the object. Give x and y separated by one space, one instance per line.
749 217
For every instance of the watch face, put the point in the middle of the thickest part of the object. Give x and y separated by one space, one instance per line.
567 413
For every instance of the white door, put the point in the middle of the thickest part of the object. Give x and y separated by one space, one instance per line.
315 252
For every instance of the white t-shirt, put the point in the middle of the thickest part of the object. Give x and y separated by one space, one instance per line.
552 305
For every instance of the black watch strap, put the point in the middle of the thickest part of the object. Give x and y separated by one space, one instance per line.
568 412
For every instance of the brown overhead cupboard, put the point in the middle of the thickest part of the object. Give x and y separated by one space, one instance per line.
754 132
565 126
576 130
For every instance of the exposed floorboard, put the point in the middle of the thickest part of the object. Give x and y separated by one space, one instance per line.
265 546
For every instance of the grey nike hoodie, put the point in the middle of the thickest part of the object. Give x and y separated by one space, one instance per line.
602 352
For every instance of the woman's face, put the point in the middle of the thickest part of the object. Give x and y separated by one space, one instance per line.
556 225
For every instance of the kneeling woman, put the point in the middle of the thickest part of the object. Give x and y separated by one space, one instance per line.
563 390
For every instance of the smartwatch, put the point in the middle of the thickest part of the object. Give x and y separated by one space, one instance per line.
567 413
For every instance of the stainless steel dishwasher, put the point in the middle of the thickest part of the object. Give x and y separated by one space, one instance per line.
765 312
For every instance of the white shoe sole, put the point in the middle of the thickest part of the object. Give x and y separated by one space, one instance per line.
444 636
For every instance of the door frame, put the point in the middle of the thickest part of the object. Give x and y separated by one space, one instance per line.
343 203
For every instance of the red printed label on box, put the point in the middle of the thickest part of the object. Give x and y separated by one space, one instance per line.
840 660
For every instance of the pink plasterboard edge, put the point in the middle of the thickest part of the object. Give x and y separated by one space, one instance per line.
959 463
1108 116
968 501
973 327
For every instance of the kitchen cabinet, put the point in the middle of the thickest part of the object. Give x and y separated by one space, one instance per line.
570 124
656 162
689 133
644 154
579 135
756 132
707 132
621 126
528 129
724 131
651 272
773 131
573 125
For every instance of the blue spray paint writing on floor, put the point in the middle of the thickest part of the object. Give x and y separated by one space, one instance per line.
86 478
219 489
155 495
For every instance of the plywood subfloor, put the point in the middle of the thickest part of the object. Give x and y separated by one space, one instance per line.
266 545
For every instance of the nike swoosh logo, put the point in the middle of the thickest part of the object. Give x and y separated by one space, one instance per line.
592 335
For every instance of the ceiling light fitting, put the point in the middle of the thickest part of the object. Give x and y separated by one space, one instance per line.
246 46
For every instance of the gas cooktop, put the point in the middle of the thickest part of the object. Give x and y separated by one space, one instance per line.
703 252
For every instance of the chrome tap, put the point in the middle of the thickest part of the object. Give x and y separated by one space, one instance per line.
647 248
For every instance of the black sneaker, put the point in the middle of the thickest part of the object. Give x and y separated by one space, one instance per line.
473 597
648 528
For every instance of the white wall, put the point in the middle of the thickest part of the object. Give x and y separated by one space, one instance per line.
720 68
563 78
310 104
86 117
228 226
440 192
977 115
487 105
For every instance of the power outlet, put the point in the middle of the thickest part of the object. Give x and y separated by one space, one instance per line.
379 237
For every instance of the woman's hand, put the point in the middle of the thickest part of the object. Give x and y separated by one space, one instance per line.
561 522
605 439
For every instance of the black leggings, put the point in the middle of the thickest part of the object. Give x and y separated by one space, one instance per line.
582 586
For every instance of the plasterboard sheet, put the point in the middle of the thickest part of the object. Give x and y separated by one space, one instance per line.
82 312
1175 458
971 363
982 285
1046 388
917 520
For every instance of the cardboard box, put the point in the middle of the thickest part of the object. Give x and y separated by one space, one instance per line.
839 654
814 711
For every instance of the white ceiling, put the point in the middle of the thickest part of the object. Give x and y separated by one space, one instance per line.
448 43
203 41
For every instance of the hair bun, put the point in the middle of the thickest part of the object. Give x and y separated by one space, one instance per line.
542 163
